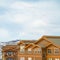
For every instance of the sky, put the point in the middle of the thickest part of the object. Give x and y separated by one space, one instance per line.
29 19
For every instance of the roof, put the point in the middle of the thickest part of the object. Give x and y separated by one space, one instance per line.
36 46
27 41
54 39
53 45
9 47
31 44
51 39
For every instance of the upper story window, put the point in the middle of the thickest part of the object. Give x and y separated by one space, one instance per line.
49 51
56 51
22 49
10 53
29 50
37 50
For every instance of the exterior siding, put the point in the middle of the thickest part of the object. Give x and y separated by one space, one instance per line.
53 55
22 50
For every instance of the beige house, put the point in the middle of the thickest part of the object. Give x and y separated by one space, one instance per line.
45 48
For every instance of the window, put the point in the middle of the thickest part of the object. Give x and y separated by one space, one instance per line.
56 51
29 50
57 59
49 51
10 59
9 53
22 58
37 50
22 49
49 58
29 58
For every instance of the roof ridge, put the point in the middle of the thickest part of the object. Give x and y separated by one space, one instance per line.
51 36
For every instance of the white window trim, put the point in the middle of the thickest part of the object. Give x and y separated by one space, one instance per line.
57 59
29 58
49 58
22 49
22 58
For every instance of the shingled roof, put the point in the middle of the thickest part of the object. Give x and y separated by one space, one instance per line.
54 39
27 41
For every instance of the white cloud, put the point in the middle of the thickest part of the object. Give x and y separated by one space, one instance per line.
22 12
35 18
26 5
39 23
30 12
20 18
4 33
20 5
22 34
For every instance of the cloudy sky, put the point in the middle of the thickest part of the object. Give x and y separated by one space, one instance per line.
29 19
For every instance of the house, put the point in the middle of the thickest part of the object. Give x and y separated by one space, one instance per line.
45 48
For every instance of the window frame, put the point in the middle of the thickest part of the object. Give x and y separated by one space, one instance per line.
56 50
37 50
57 58
10 58
22 58
50 59
49 52
22 50
29 58
9 53
29 50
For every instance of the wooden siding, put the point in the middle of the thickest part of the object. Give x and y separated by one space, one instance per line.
44 44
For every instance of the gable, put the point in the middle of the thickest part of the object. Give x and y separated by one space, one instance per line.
43 42
9 48
20 42
26 42
51 46
29 46
47 40
54 39
35 47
